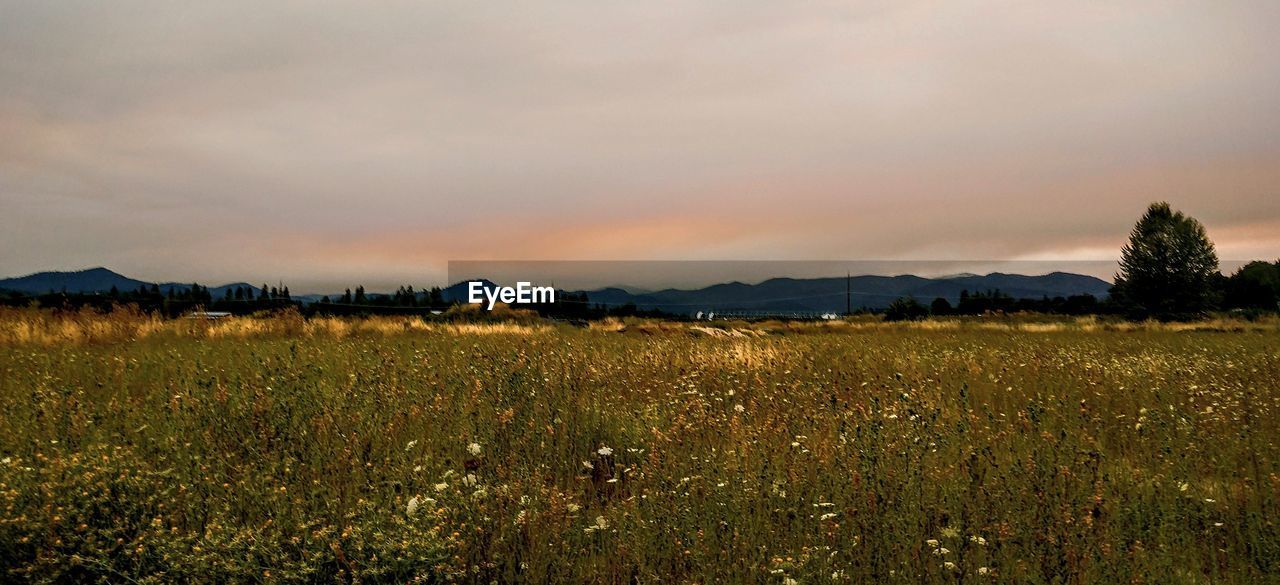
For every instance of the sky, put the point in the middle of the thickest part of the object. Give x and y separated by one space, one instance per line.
325 144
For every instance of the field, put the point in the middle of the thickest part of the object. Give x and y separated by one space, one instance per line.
134 450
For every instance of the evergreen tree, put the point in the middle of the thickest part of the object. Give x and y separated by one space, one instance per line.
1168 268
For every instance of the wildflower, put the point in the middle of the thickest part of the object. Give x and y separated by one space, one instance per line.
948 565
412 508
474 449
739 408
984 570
442 486
601 523
949 532
828 516
978 540
1184 486
942 551
479 494
587 465
469 480
604 451
789 581
573 508
410 445
932 542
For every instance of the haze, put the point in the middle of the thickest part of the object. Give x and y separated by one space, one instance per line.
327 144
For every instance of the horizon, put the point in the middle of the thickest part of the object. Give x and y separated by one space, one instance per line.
348 144
597 282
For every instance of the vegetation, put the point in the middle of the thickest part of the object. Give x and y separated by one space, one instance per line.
286 449
1169 267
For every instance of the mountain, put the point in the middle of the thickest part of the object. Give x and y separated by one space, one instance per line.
828 294
776 294
216 292
99 280
78 281
459 292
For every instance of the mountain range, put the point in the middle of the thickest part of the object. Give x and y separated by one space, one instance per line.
95 280
867 291
776 294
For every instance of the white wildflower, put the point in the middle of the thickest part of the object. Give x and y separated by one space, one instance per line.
410 445
978 540
412 508
469 480
984 570
828 516
573 508
442 486
604 451
739 408
474 449
932 542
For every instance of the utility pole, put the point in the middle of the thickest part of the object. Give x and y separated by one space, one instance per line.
848 294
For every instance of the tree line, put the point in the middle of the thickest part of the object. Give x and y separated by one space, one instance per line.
1168 270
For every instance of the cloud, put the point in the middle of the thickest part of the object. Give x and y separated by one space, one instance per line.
326 142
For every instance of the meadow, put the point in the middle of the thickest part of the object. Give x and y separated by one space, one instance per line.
281 449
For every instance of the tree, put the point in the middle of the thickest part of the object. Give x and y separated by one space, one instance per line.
1255 286
940 306
1167 269
905 309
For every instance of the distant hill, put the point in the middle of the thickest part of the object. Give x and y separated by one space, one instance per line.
79 281
216 292
776 294
98 280
828 294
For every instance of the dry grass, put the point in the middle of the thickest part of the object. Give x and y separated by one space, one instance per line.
394 450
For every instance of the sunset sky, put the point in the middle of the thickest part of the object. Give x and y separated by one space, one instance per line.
327 144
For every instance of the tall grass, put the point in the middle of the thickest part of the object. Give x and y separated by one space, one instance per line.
288 450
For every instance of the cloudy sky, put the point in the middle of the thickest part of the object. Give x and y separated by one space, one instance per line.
325 143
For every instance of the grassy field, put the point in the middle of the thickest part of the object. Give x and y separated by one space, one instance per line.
286 450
